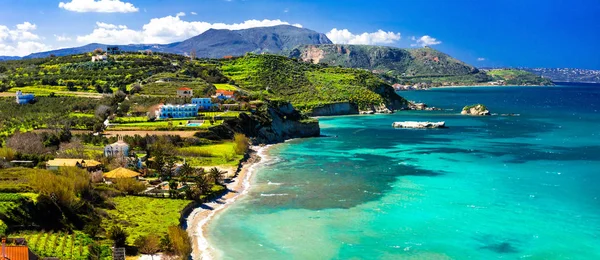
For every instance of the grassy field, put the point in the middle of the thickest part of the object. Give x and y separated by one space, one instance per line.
143 215
210 155
175 125
61 245
75 114
225 87
15 179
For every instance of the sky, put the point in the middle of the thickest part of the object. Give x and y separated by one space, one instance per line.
493 33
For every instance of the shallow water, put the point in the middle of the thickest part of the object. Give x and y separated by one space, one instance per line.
486 187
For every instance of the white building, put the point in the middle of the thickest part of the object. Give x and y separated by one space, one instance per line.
99 57
117 149
176 111
203 103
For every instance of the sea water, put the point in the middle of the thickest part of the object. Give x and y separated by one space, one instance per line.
525 186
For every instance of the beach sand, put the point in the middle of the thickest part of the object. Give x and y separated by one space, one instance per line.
200 217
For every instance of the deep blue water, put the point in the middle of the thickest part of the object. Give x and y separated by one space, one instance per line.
484 188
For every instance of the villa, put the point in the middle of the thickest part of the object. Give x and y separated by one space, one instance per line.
99 57
224 94
89 165
117 149
203 103
24 98
176 111
185 92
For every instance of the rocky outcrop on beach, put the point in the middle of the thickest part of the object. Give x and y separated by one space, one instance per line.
412 105
273 122
419 125
475 110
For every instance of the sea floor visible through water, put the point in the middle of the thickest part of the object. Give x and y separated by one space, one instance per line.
484 188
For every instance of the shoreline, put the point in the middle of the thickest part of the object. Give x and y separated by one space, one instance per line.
198 220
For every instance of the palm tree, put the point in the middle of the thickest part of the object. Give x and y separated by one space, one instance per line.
217 175
185 171
202 184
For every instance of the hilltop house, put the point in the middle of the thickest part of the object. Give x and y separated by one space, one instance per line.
99 57
117 149
24 98
176 111
185 92
224 94
203 103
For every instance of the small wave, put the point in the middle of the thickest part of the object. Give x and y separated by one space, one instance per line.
274 183
273 194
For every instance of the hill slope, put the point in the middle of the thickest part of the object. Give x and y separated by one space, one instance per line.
218 43
307 85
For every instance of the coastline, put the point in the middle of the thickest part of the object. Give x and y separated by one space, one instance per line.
198 220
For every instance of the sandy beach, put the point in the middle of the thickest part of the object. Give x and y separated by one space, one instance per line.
201 216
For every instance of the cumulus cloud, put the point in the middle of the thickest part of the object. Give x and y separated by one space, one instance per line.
21 40
193 13
98 6
480 59
379 37
425 40
165 30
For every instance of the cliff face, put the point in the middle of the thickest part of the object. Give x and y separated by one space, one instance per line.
335 109
275 122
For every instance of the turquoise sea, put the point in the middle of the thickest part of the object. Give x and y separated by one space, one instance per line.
526 186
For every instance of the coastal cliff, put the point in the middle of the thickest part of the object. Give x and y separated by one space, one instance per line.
272 122
335 109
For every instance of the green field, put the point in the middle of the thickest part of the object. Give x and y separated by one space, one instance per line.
61 245
143 215
225 87
210 155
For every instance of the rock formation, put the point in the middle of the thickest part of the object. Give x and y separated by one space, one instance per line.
415 124
475 110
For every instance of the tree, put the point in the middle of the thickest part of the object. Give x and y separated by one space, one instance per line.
98 51
71 86
180 242
73 149
202 185
118 236
149 244
240 143
95 251
129 185
26 143
185 171
216 175
102 112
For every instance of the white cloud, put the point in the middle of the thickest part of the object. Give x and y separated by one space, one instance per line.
480 59
180 14
62 38
193 13
425 40
21 40
374 38
287 10
165 30
98 6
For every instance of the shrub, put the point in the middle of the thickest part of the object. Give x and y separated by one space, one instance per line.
129 185
179 241
240 143
118 236
7 153
149 244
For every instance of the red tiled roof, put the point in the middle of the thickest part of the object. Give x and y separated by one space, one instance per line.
17 252
225 92
185 89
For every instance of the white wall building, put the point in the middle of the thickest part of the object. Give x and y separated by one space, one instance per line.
176 111
117 149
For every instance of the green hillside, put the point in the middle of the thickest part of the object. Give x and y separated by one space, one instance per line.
304 83
518 77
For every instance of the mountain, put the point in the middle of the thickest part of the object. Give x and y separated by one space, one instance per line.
218 43
214 43
424 66
399 62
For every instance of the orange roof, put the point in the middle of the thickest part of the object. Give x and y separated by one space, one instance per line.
184 88
17 252
225 92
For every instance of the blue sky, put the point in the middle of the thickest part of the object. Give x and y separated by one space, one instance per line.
531 33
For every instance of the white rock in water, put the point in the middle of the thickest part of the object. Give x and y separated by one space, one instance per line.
415 124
